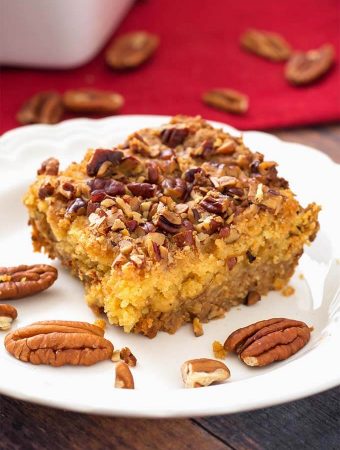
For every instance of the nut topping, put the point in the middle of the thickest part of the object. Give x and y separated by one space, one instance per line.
227 100
268 45
203 372
131 50
22 281
49 167
44 107
267 341
175 188
92 101
102 157
124 378
174 136
58 342
128 357
304 68
169 221
77 206
7 314
144 190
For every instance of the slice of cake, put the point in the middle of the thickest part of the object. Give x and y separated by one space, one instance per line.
179 222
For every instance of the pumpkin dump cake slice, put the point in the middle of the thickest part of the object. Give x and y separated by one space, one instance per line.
179 222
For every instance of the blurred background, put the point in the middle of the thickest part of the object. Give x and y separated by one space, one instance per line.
60 45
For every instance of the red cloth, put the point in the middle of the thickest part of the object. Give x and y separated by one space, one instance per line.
200 50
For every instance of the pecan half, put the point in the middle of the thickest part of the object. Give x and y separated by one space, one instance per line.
215 205
49 167
174 136
44 107
7 314
21 281
227 100
131 50
58 342
268 45
203 372
264 342
304 68
124 378
92 101
102 157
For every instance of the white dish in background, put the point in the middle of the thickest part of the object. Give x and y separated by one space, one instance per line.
56 33
159 392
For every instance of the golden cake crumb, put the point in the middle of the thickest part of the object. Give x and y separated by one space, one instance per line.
288 291
219 351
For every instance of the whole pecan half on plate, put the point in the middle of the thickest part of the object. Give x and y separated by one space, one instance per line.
22 281
131 50
57 343
264 342
268 45
304 68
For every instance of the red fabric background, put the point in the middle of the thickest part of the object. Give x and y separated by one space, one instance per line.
199 50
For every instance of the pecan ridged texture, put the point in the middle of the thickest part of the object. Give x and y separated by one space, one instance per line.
264 342
44 107
145 190
215 205
103 156
268 45
22 281
176 188
227 100
304 68
169 221
174 136
92 101
58 342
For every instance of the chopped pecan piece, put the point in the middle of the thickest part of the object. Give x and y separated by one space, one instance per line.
92 101
169 221
131 50
49 167
153 172
203 372
190 174
101 157
175 188
46 190
197 327
227 100
268 45
304 68
128 357
44 107
7 314
174 136
124 378
77 206
21 281
252 298
267 341
215 205
58 342
145 190
184 238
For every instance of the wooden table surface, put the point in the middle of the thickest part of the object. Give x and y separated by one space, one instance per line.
311 423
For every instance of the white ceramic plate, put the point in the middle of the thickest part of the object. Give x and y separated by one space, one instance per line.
159 392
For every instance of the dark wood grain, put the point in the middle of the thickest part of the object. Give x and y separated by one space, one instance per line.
312 423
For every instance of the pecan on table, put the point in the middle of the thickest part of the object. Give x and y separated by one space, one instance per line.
7 314
131 50
268 45
92 101
264 342
304 68
22 281
227 100
124 378
44 107
57 343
